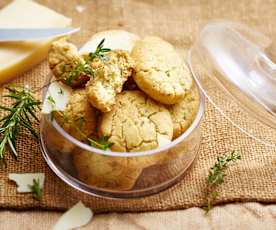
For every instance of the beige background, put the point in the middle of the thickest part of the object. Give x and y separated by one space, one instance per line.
252 180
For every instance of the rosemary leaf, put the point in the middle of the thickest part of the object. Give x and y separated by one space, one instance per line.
20 114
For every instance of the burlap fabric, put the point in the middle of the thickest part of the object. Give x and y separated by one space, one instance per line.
252 179
245 216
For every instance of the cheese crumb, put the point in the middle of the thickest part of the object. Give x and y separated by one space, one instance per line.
80 8
25 179
59 93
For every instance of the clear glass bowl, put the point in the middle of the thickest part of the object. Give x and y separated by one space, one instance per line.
120 174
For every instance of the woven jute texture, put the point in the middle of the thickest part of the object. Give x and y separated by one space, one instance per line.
252 179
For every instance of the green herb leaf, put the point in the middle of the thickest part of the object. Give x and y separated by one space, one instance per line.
100 52
101 143
216 177
36 189
20 114
80 68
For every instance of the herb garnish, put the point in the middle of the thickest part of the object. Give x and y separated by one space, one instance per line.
51 100
101 143
216 177
86 68
79 69
20 114
60 91
100 52
36 189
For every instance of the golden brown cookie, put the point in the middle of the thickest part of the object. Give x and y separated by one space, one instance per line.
160 71
183 113
105 171
66 64
79 116
110 74
136 123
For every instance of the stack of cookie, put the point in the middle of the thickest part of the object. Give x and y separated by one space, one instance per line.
140 97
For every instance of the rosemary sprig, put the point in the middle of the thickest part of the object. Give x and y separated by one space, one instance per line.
20 114
100 52
36 189
216 177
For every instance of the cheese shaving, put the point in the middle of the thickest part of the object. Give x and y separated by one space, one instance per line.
75 217
24 180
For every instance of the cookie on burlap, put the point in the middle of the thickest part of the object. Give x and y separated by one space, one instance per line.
160 71
184 112
105 171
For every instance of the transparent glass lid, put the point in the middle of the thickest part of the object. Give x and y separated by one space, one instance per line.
234 68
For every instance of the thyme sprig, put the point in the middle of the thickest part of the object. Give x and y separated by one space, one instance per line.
101 143
22 113
79 69
86 68
216 177
100 52
36 189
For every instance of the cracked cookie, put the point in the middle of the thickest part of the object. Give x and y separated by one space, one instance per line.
160 71
184 112
79 116
105 171
136 123
110 73
67 65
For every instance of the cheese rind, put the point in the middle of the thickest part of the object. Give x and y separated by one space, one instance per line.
18 57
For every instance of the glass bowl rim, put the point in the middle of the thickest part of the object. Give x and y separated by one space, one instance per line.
92 149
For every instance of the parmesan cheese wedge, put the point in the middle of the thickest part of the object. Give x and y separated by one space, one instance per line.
17 57
114 39
56 98
24 180
75 217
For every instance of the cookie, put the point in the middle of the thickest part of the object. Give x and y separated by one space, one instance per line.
79 116
184 112
66 63
136 123
105 171
160 71
110 73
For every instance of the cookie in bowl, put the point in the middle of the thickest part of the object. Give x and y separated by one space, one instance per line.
136 123
110 73
107 172
67 65
79 117
160 71
183 113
